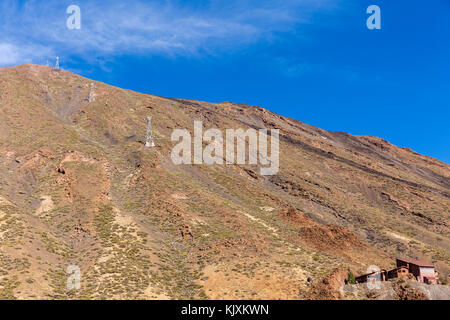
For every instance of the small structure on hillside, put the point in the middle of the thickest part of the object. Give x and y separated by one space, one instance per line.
406 269
149 138
380 275
57 63
400 272
422 271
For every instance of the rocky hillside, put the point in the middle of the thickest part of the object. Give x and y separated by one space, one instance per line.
78 187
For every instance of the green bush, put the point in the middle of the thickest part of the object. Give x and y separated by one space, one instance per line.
351 278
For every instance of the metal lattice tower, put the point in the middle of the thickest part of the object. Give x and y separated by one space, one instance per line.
149 138
57 63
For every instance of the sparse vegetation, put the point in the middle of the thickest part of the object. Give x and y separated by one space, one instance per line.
351 278
78 188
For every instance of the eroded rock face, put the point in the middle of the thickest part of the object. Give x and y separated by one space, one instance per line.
406 292
330 238
329 287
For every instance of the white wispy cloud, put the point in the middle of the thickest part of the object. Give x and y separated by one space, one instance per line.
12 54
31 31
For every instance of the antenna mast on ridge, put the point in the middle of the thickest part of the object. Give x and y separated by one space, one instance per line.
57 63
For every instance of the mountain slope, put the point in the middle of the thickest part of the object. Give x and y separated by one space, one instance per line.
78 187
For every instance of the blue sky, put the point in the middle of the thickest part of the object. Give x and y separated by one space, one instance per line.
313 60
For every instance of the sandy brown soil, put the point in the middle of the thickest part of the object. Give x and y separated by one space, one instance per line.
77 186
